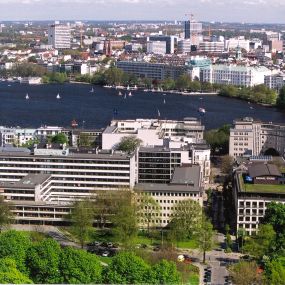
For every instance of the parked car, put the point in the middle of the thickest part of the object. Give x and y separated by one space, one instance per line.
106 253
109 244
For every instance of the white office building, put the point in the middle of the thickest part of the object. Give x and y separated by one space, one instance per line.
59 36
234 74
156 47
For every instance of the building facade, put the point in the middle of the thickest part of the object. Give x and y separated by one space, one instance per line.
59 36
254 137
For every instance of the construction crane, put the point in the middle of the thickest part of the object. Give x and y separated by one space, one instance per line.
191 16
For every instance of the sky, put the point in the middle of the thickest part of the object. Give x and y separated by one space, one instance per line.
249 11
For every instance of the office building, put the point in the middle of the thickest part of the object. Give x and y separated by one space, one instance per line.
59 36
255 185
247 76
156 47
275 81
252 137
169 42
184 46
212 47
193 31
158 71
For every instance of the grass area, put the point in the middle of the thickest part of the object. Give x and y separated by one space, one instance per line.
187 244
106 259
264 188
194 279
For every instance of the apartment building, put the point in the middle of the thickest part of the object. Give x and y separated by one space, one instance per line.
153 132
253 137
247 76
252 194
59 36
275 81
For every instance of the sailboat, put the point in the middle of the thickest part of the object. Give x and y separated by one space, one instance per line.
92 90
130 94
125 97
120 93
27 96
58 96
128 88
164 102
136 87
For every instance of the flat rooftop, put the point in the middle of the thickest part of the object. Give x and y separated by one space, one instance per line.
28 182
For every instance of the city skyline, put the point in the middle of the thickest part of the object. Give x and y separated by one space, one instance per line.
248 11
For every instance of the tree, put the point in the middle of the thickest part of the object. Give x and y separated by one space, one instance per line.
186 218
183 82
124 219
129 144
114 76
127 268
205 236
275 271
59 138
85 140
168 84
9 274
43 261
82 217
6 216
149 211
14 245
245 273
227 162
262 243
165 272
77 266
281 98
275 216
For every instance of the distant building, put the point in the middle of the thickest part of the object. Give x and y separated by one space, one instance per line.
156 47
252 137
169 40
233 43
59 36
276 81
184 46
234 74
193 31
212 47
158 71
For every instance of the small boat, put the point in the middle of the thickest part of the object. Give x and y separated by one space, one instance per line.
9 85
128 88
152 90
202 110
164 102
136 87
92 90
74 124
125 97
251 108
164 94
120 93
27 96
201 98
130 94
58 96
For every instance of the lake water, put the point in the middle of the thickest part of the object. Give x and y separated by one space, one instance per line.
94 110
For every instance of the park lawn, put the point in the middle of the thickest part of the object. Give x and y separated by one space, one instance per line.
105 259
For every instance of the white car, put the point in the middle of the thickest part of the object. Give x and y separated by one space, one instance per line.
105 253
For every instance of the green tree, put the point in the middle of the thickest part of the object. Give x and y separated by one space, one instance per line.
281 98
275 271
114 76
205 236
165 272
227 164
43 259
124 219
262 243
245 273
59 138
14 245
85 140
195 86
275 216
127 268
6 215
183 82
186 218
82 218
228 91
9 274
149 211
168 84
77 266
129 144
